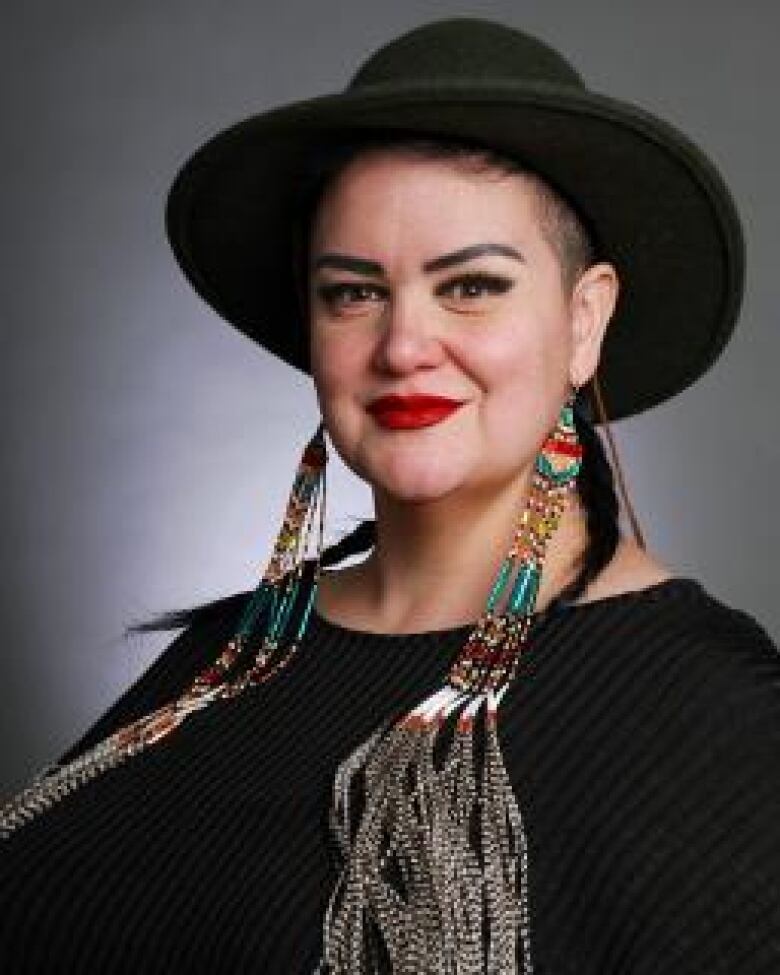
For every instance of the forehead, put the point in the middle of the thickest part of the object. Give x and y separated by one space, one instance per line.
391 192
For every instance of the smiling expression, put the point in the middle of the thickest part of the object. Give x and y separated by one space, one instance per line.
428 279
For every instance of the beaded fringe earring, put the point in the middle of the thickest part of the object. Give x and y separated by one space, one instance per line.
276 593
434 873
439 848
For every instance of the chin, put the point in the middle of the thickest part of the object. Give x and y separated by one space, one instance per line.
416 479
411 495
410 466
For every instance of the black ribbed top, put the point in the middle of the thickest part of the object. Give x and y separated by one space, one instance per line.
641 734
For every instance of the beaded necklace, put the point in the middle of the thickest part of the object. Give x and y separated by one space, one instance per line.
433 851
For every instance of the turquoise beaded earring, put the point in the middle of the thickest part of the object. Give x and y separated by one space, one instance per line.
435 860
275 596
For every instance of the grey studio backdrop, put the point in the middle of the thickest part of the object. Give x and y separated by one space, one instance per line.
148 448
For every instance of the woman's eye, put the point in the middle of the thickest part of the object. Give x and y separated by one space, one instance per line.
475 286
339 294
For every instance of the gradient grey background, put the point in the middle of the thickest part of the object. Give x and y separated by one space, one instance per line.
149 448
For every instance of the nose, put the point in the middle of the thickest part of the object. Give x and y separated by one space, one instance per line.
408 337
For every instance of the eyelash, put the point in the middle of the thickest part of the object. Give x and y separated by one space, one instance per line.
492 283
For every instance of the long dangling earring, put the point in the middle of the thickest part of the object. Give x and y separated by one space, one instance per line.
275 597
278 589
435 861
276 593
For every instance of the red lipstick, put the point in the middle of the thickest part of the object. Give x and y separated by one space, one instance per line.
410 412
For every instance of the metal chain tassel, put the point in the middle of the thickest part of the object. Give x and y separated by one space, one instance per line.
435 860
276 593
434 876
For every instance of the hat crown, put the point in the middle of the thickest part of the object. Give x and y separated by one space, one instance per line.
465 50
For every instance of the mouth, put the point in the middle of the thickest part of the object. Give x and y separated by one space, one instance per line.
411 412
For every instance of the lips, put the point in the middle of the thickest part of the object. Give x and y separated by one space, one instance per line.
409 412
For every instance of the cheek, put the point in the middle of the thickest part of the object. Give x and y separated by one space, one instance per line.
521 374
334 361
503 360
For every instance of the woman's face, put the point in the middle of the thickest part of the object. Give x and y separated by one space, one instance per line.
400 307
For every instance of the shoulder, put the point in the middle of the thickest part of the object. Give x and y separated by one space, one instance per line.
702 630
711 670
204 631
670 663
718 656
732 665
713 632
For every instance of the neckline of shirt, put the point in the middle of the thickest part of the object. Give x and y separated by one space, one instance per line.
657 590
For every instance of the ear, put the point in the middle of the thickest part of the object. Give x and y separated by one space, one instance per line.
592 303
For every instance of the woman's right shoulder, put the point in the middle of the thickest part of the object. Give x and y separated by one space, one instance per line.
205 629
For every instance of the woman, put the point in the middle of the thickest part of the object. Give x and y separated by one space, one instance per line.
509 739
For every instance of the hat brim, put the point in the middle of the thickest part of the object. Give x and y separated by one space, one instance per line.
659 208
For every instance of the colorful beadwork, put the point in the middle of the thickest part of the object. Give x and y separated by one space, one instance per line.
434 866
276 592
434 873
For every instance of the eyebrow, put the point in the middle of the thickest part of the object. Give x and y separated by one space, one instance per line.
361 265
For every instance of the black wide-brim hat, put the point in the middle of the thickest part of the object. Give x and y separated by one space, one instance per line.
655 204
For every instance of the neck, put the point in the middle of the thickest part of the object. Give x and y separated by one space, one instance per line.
434 562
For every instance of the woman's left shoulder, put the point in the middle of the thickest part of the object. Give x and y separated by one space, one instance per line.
723 665
703 625
714 665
